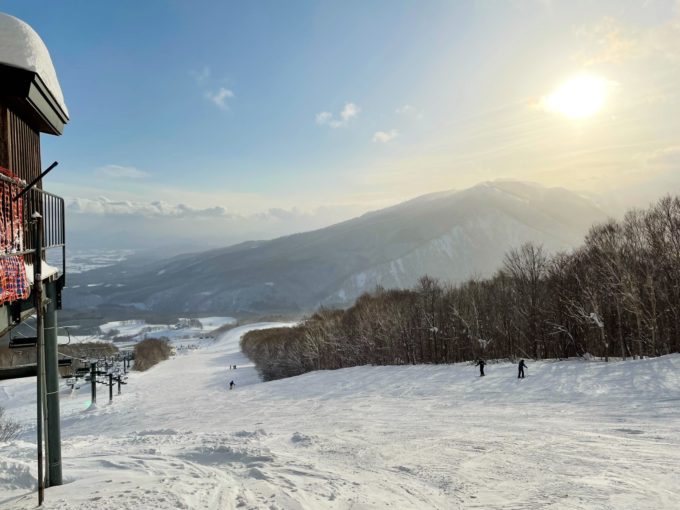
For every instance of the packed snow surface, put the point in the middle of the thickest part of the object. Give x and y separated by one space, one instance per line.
572 435
22 47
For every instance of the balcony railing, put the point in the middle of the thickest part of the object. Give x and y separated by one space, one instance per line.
17 234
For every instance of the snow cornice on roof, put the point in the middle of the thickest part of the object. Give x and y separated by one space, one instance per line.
28 81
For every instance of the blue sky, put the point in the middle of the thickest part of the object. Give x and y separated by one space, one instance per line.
236 108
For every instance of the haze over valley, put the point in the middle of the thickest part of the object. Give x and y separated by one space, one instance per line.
453 235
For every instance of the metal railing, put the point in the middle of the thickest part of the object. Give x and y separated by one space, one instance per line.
16 228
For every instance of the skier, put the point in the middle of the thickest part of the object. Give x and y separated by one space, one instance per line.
231 385
480 364
521 367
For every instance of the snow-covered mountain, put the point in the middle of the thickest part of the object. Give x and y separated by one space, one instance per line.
450 235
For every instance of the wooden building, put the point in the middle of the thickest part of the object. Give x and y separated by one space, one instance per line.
31 104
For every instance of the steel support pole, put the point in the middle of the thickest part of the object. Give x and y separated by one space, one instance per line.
53 435
39 424
40 349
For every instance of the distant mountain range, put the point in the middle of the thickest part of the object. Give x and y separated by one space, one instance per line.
450 235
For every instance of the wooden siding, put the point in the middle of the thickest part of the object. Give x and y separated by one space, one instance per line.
19 146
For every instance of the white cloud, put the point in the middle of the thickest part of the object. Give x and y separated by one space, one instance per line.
120 172
212 90
105 223
323 117
105 206
220 97
349 112
385 136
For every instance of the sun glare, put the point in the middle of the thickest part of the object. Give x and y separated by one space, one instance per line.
580 97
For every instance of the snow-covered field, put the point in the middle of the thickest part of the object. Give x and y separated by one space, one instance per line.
571 435
178 334
79 261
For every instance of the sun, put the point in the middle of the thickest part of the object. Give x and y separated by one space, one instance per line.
579 97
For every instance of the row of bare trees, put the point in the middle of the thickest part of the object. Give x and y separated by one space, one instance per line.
151 351
617 295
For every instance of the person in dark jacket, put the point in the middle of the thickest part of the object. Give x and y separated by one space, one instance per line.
231 385
480 364
521 367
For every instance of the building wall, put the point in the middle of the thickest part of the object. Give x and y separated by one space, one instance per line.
19 146
20 154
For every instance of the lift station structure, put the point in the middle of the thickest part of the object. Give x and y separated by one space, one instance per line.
32 229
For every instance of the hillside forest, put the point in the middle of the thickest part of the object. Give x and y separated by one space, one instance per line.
617 295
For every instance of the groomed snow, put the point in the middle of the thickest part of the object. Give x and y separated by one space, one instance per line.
22 47
572 435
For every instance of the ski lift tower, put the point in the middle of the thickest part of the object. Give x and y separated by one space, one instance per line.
31 219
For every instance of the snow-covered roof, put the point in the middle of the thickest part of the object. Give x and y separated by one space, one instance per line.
22 47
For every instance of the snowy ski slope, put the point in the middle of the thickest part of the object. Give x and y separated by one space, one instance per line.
572 435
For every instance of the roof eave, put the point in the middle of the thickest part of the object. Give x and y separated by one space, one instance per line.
27 93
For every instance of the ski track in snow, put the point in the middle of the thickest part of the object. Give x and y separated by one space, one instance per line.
572 435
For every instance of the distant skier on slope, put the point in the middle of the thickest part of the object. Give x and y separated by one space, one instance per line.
480 364
231 385
520 369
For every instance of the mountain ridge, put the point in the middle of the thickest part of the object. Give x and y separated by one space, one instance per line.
451 235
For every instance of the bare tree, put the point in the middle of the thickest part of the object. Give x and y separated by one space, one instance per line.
9 429
528 267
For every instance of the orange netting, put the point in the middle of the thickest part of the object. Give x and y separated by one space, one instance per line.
14 283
